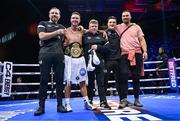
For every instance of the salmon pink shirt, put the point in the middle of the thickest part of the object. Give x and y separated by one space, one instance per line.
129 40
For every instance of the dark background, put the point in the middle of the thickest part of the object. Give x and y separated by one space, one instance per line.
159 19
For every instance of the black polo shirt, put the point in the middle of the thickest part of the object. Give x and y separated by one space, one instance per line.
91 39
114 45
54 44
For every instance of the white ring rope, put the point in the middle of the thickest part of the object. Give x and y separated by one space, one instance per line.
26 73
27 65
110 81
108 89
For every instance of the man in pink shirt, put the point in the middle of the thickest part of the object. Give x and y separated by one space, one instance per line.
134 52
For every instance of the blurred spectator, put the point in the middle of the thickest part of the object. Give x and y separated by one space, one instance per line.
20 88
160 73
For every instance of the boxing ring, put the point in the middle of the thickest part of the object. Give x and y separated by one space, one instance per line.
156 107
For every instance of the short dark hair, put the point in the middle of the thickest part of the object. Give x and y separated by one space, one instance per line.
111 17
93 21
55 8
126 11
77 13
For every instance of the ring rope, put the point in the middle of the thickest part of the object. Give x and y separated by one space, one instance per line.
108 89
111 81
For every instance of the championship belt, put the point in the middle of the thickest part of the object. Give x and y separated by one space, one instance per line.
74 50
67 50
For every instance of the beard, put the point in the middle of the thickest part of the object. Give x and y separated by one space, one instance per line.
54 19
126 21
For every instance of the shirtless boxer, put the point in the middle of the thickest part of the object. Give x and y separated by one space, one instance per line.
75 67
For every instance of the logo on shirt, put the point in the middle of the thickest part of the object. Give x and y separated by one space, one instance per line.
49 25
82 71
89 37
98 38
52 26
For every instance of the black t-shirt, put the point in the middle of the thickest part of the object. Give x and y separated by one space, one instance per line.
113 45
54 44
163 58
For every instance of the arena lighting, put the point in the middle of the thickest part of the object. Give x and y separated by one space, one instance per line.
135 6
7 37
129 5
32 28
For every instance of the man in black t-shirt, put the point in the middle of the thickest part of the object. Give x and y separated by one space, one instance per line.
51 55
112 60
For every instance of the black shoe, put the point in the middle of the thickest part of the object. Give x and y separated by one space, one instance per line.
105 105
137 103
61 109
39 111
123 103
129 103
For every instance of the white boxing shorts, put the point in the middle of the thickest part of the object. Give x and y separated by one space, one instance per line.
75 70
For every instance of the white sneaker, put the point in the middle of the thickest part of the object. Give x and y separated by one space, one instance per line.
68 108
95 58
88 106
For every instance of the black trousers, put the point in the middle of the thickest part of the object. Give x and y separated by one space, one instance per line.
97 74
113 65
130 71
46 61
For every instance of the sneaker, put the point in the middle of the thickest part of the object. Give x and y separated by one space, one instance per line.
123 103
137 103
105 105
88 106
68 108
